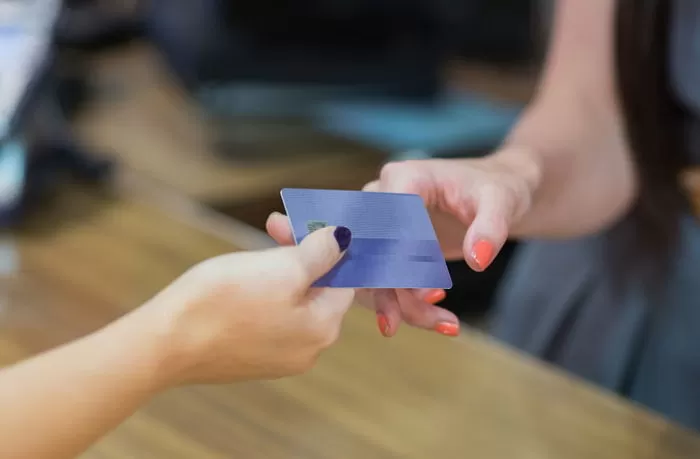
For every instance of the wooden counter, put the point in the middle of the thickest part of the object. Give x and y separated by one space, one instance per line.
419 395
143 117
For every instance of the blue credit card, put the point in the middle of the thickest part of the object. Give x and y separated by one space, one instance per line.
393 240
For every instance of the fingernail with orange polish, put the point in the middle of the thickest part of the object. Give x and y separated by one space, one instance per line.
435 296
482 253
383 324
447 329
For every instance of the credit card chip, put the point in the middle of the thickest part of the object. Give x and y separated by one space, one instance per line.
315 225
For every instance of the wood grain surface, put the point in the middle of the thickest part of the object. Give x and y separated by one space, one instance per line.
88 258
143 117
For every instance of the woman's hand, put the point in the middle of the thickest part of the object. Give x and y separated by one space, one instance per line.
473 204
252 315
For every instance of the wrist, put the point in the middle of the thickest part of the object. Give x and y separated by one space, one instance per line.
523 162
143 337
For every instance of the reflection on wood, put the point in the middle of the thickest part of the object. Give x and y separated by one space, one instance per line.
91 258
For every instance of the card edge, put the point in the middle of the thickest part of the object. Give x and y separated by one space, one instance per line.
286 212
413 195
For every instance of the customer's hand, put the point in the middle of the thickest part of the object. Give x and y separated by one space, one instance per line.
473 204
252 315
413 306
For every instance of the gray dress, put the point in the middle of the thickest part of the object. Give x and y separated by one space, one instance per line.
558 300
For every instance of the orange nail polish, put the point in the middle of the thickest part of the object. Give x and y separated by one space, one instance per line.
435 296
482 253
383 324
447 329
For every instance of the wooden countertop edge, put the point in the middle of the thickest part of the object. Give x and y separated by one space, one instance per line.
245 237
187 210
178 205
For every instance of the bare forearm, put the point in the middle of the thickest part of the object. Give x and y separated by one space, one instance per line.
587 180
573 133
59 403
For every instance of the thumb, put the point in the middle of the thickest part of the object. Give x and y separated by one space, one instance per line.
488 232
321 250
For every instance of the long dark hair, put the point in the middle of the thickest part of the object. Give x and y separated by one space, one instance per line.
655 128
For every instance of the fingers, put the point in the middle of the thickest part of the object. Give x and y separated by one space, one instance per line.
327 307
395 306
318 253
430 295
489 231
372 187
403 177
278 228
323 313
386 304
424 315
321 250
414 177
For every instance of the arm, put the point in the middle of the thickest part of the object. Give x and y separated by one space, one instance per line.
572 133
57 404
236 317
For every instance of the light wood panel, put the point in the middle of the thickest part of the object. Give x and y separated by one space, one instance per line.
144 118
511 85
87 259
690 180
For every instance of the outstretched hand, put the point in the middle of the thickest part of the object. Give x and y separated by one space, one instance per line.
393 306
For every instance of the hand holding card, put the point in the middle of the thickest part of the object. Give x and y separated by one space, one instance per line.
394 244
393 306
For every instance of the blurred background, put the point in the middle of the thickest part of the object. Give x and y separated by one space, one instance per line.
139 137
228 101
